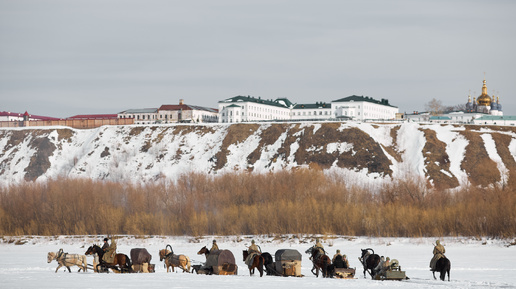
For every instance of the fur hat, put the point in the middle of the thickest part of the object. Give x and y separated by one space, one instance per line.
106 239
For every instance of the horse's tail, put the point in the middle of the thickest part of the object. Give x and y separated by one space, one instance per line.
188 263
129 264
84 263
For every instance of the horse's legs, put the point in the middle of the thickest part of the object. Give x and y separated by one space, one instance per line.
433 273
68 267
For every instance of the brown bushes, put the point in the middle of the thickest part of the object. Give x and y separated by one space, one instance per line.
299 201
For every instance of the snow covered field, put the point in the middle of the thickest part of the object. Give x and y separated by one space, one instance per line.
475 263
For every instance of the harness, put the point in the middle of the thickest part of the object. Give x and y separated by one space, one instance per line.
61 255
364 259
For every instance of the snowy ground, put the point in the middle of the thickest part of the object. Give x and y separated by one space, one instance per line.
475 263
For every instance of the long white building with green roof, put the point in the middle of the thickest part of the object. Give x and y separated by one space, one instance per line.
248 109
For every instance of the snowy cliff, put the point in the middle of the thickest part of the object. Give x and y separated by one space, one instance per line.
445 156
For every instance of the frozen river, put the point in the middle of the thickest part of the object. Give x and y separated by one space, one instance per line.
475 263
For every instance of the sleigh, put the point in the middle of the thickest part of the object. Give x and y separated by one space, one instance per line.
288 262
342 273
394 273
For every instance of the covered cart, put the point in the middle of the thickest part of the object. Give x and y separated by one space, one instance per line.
221 262
288 262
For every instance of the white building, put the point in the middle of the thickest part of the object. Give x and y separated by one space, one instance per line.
458 117
312 111
495 120
363 108
140 116
248 108
10 116
170 113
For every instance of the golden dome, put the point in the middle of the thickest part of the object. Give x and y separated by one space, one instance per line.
484 99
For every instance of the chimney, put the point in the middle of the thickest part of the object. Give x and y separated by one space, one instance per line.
181 102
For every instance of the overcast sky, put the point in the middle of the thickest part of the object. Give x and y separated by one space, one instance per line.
62 58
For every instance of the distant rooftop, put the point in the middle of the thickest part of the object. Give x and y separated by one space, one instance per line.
364 98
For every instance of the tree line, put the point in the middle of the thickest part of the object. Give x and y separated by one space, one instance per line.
298 201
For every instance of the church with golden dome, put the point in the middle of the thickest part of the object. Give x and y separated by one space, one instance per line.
484 103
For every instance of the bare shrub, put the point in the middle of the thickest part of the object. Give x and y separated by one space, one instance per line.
303 201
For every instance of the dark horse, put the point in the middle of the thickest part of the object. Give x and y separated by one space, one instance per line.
268 263
369 261
443 266
257 262
121 260
320 262
140 256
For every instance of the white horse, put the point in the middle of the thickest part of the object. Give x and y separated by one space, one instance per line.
67 260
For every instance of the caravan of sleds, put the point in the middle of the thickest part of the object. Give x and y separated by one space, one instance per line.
286 262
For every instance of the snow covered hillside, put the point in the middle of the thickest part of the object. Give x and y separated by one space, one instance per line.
447 156
476 263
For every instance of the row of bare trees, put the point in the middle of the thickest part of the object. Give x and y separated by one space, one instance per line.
299 201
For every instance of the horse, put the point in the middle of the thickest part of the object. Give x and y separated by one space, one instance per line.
171 260
256 262
139 256
320 261
122 260
67 260
268 263
369 261
443 266
204 251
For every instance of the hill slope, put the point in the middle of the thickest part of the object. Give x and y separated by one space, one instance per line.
446 156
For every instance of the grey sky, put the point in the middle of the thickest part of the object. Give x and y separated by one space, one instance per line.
62 58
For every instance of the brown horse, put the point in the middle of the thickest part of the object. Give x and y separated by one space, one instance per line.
320 261
204 251
121 260
171 260
256 262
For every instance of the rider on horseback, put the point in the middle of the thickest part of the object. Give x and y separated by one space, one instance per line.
110 251
253 250
214 247
106 244
438 254
318 246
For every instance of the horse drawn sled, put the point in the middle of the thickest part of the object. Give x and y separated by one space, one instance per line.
287 263
218 262
344 273
392 272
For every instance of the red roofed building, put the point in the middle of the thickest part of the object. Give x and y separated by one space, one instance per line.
181 112
94 116
14 116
